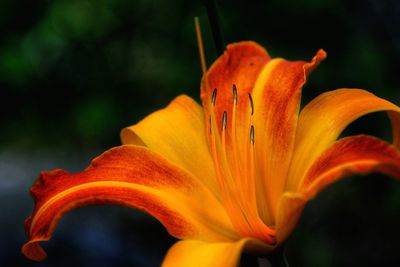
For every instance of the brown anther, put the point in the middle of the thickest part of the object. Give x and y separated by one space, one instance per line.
214 96
252 134
234 94
224 119
251 104
210 125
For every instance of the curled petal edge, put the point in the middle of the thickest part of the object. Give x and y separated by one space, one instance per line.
351 155
129 176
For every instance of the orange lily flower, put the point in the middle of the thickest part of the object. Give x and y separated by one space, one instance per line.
233 174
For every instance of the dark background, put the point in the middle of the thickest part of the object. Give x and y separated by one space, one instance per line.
74 72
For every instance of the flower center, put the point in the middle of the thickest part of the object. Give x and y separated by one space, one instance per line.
236 168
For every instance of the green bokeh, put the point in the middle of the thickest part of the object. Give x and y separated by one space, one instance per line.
65 55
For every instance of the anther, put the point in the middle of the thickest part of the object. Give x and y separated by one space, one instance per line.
224 119
234 94
214 96
251 104
210 125
252 134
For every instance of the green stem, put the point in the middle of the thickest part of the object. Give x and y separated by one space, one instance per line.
212 13
278 259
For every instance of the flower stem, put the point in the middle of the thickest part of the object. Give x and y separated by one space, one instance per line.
212 13
278 259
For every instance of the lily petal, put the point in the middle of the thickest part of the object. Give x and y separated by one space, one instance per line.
324 118
177 132
130 176
351 155
277 95
193 253
289 211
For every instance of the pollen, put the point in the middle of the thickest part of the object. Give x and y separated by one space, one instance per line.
214 96
234 91
251 104
252 134
224 118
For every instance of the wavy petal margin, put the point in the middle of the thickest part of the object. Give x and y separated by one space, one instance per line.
277 95
130 176
193 253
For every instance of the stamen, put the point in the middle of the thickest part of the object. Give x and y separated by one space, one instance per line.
234 94
260 228
234 206
237 175
251 104
214 96
224 120
210 124
252 134
223 140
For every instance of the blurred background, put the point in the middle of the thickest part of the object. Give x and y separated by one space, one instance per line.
74 72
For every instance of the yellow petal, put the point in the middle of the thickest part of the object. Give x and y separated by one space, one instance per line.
325 117
195 253
130 176
178 133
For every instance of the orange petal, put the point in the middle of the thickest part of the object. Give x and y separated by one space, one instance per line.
240 65
276 96
356 154
130 176
324 118
350 155
178 133
193 253
290 207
